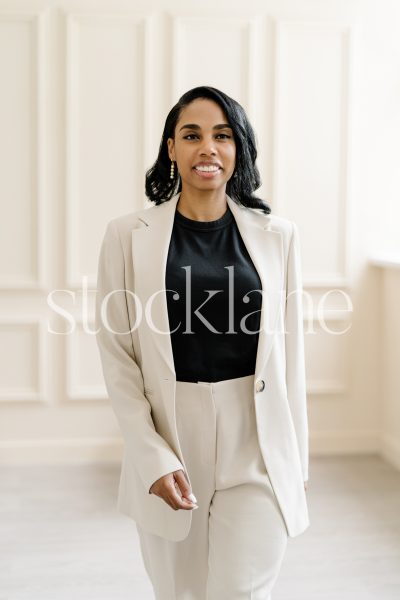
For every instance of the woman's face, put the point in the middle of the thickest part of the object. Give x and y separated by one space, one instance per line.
202 135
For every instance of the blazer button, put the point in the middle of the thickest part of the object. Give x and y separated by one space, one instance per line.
260 385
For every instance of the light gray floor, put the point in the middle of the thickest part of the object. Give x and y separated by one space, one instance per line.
62 538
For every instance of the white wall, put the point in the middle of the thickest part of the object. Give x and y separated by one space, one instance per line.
86 87
390 353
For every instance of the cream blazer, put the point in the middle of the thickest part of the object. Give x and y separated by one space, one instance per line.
131 320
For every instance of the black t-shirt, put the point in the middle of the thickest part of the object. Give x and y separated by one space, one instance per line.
209 266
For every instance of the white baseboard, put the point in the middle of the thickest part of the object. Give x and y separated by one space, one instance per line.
335 443
62 451
110 450
390 450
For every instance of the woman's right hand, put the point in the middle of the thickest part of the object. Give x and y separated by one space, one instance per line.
168 487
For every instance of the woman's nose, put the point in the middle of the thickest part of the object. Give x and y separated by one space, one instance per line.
208 144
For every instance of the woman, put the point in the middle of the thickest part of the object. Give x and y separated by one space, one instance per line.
200 331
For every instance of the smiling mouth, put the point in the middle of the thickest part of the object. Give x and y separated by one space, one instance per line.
212 169
207 173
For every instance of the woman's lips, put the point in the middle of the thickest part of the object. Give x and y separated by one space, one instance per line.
207 174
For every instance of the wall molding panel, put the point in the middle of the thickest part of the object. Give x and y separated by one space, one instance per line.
313 139
125 38
23 36
76 354
241 36
26 341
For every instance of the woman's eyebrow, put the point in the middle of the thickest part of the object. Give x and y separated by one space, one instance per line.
195 126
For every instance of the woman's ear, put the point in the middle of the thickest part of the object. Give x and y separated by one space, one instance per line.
170 144
169 148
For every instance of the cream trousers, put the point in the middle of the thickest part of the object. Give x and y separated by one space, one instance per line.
238 538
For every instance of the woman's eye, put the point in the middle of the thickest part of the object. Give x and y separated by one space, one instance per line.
194 135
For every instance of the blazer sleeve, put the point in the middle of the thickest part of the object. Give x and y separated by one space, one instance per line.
146 450
294 344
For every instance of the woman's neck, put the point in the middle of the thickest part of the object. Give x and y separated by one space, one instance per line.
202 209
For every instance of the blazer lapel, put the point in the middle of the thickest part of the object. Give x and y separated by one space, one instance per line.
150 243
265 247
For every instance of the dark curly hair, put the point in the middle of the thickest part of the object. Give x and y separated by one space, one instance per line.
246 177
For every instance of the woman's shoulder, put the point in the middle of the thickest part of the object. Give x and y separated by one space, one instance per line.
125 222
273 222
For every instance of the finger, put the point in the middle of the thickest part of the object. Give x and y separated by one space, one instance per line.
188 504
170 495
180 504
183 483
174 499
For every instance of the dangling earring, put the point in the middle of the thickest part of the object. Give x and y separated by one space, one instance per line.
172 170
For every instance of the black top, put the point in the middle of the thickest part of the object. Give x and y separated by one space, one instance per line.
206 260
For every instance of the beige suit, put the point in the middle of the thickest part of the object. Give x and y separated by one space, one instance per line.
139 370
